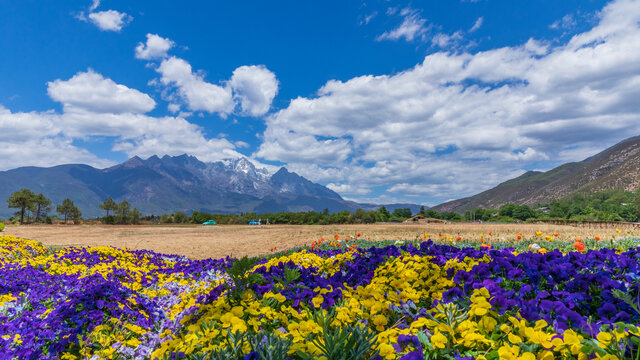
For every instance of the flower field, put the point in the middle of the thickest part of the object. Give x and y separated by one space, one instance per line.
342 298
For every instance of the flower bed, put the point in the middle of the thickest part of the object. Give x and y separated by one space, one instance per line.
413 300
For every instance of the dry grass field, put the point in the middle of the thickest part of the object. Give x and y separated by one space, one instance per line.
197 241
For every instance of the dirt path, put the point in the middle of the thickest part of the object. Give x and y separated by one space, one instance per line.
198 242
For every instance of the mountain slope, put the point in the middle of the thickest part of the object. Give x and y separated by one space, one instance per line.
617 167
181 183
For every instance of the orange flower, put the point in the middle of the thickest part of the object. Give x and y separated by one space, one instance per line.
458 238
440 234
519 236
579 245
597 238
286 252
490 234
555 234
336 236
487 246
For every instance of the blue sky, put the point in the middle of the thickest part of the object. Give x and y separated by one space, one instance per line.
382 101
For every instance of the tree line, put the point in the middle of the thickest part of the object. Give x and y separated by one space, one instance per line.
36 207
606 205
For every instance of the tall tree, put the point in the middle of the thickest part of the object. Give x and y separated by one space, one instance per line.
22 200
123 211
42 206
135 216
108 205
69 210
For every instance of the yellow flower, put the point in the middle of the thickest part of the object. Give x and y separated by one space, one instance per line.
317 301
380 321
438 340
387 351
604 339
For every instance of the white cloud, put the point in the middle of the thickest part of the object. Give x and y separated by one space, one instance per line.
90 91
94 5
445 40
412 27
568 22
477 24
97 106
36 139
347 189
109 20
254 87
156 47
367 19
198 94
498 112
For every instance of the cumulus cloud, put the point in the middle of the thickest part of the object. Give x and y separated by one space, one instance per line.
94 106
155 47
110 20
37 139
251 88
90 91
198 94
254 87
463 122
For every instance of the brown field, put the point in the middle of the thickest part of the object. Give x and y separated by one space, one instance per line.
198 242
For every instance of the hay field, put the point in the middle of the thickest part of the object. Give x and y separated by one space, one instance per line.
198 242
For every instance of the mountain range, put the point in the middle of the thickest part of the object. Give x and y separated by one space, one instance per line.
164 185
617 167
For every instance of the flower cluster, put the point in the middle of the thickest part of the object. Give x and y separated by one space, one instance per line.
410 300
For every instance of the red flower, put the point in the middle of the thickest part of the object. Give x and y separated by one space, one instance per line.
579 245
358 234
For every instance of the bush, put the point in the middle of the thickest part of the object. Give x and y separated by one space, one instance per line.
1 226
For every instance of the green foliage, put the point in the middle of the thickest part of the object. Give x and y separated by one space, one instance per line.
135 216
22 200
180 217
41 206
267 346
1 226
608 205
342 343
122 212
242 278
402 213
69 210
108 205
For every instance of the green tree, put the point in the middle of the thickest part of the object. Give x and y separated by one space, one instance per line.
180 217
523 212
135 216
507 210
402 213
69 210
382 214
22 200
42 206
421 210
108 205
123 212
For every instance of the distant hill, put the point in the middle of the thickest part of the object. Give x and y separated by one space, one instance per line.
617 167
179 183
